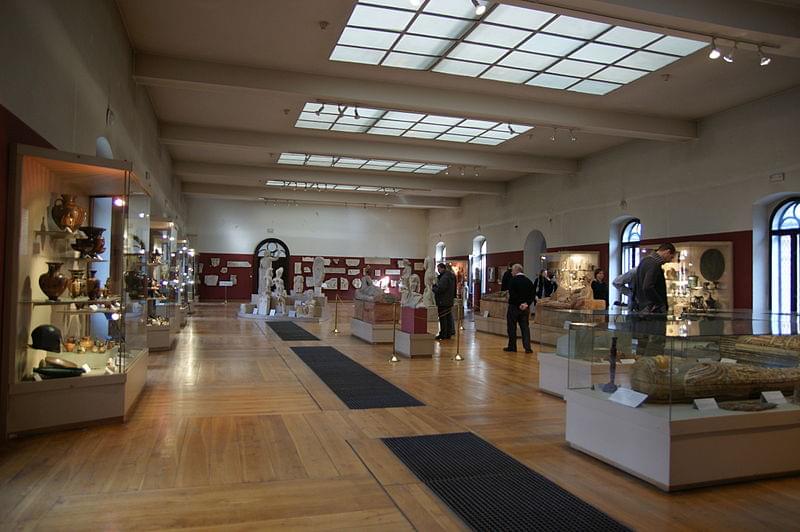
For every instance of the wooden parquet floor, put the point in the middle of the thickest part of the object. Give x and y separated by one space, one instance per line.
234 432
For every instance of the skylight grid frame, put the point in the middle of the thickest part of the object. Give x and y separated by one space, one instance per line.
324 187
413 125
359 163
628 63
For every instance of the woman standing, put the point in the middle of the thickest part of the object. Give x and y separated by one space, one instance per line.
600 286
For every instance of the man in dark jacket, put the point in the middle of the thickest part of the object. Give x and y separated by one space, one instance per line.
520 299
506 278
543 286
444 292
650 287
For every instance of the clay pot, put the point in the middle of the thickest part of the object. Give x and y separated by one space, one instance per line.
86 342
69 344
66 213
52 282
93 288
85 246
136 284
77 284
95 234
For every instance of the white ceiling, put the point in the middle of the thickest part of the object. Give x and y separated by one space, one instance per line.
245 69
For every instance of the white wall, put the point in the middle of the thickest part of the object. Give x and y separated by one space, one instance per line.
63 62
708 185
235 226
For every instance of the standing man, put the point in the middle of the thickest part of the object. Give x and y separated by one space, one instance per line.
543 286
649 286
520 299
506 278
444 291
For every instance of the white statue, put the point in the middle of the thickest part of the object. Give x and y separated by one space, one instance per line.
280 290
265 275
297 287
405 264
430 280
414 298
369 291
318 274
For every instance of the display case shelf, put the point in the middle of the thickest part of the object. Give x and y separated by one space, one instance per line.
55 234
48 302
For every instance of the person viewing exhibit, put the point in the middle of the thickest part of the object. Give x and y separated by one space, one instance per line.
285 265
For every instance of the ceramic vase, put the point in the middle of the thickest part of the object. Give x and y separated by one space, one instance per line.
52 282
93 288
77 284
95 235
66 213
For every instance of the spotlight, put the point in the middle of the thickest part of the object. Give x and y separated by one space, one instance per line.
119 202
714 53
480 9
342 109
764 60
319 111
729 57
553 135
572 136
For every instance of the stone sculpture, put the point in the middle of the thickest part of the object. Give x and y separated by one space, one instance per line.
414 297
369 292
280 289
405 274
430 280
318 274
297 286
265 275
683 380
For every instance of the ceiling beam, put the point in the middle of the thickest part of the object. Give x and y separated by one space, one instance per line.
336 198
161 71
176 135
200 172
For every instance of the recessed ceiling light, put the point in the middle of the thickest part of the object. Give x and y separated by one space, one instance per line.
504 43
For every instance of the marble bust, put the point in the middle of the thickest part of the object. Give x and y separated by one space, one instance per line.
414 297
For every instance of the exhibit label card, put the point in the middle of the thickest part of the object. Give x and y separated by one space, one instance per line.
775 397
724 360
706 404
627 397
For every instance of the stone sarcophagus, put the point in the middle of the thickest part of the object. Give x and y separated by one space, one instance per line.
373 312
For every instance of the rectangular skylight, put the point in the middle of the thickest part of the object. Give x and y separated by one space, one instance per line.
304 159
507 43
412 125
324 187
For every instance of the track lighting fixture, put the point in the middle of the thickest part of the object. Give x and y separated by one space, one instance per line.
714 53
319 111
355 114
342 109
553 135
729 57
476 171
462 170
480 9
511 129
572 136
763 60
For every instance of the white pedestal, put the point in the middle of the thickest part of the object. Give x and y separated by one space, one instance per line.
184 315
414 345
159 338
374 333
682 447
556 373
491 325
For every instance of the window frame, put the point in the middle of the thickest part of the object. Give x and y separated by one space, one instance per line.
794 259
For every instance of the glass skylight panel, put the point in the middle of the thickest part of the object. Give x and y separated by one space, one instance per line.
497 35
417 134
404 116
434 128
452 8
357 55
527 61
576 27
628 37
487 141
412 61
436 26
468 131
375 17
459 68
346 187
385 131
600 53
518 17
676 46
423 45
454 138
312 125
647 60
483 124
395 124
477 52
347 128
551 81
569 67
619 75
443 120
368 38
593 87
368 188
551 44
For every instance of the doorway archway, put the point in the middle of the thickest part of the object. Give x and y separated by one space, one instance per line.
275 248
532 252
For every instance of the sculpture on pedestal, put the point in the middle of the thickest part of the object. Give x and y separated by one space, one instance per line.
280 290
430 280
414 298
297 287
265 275
369 292
405 274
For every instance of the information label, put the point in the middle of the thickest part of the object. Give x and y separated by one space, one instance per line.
705 359
627 397
706 404
292 313
627 361
724 360
86 368
775 397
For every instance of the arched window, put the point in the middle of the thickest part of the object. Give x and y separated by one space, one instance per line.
441 252
631 236
785 255
478 258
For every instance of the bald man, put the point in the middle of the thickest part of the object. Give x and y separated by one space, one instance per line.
520 299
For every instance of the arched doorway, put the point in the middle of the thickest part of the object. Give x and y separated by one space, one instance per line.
277 249
532 252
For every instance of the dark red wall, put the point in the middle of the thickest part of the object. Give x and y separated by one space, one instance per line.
500 262
246 283
12 131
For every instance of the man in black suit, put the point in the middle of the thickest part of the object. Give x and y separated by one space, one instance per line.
650 287
444 291
520 299
506 278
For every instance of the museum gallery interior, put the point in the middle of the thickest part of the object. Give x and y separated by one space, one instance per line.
261 265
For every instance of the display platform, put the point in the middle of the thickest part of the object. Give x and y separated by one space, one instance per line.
491 325
259 317
374 333
556 373
414 345
675 446
159 338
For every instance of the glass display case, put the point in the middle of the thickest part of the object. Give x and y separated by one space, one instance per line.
678 401
700 277
570 269
76 348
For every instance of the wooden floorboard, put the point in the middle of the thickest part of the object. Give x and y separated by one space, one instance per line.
235 432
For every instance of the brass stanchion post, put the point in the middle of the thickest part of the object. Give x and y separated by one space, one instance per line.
460 327
336 315
394 333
